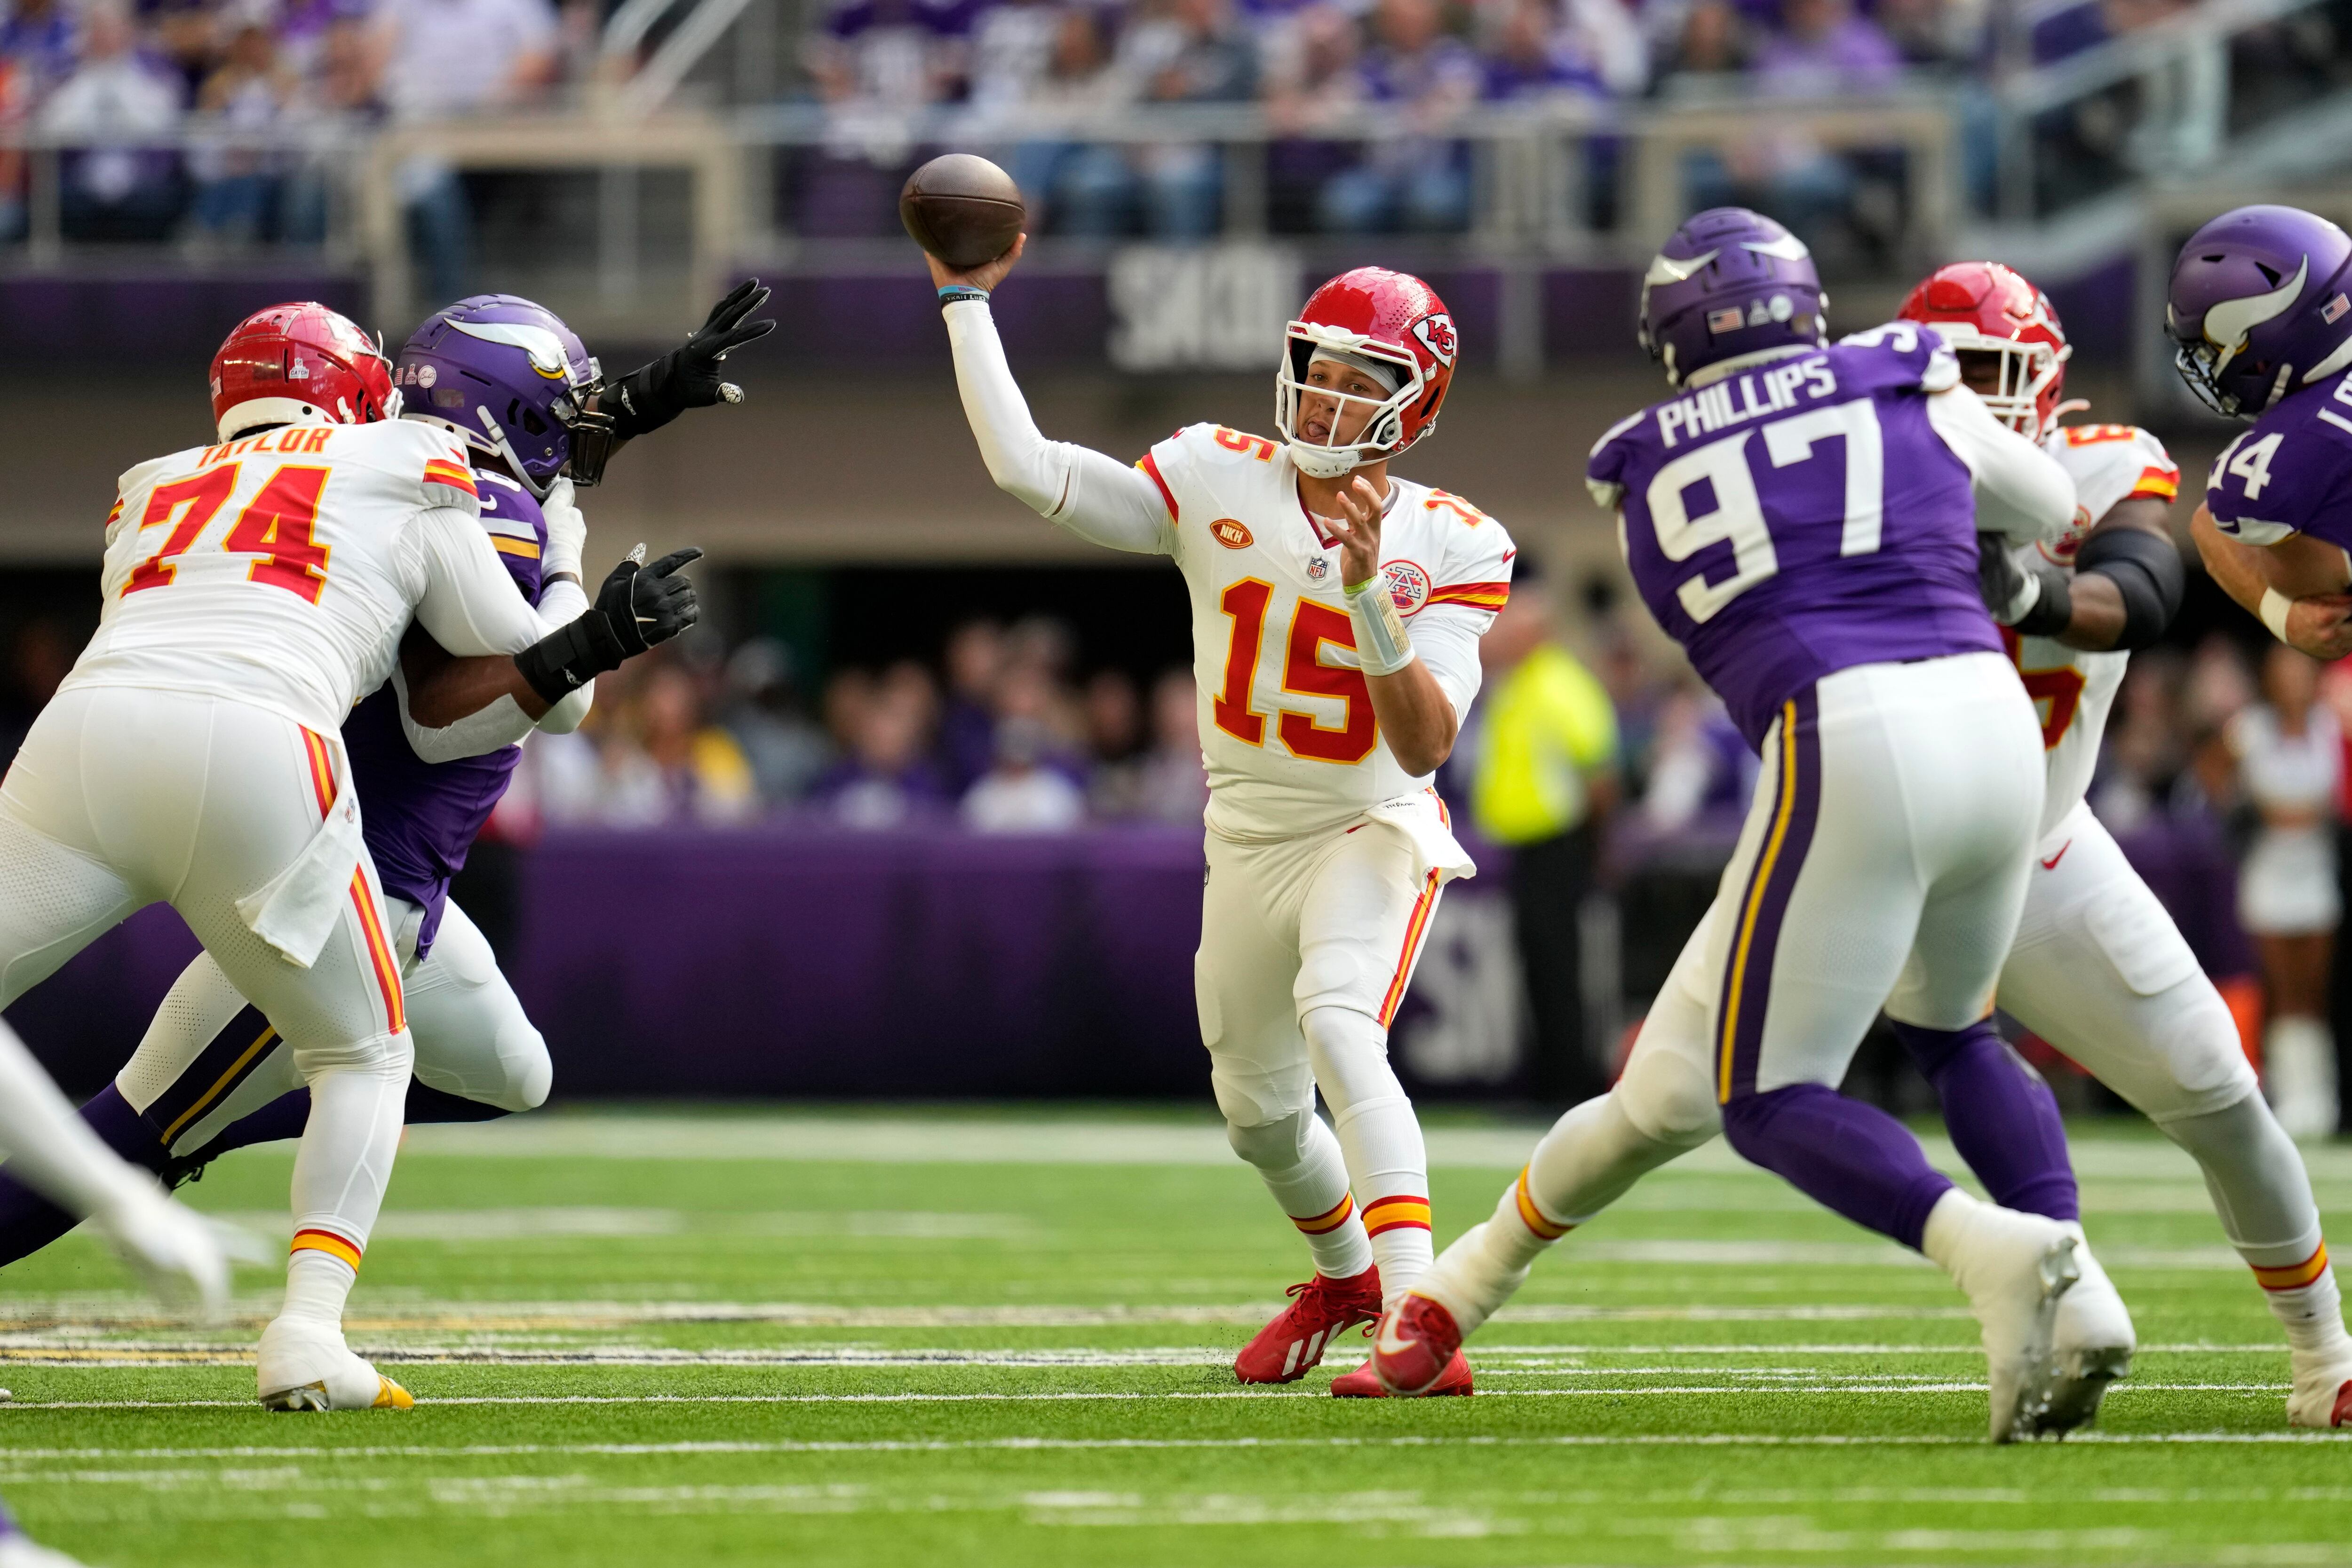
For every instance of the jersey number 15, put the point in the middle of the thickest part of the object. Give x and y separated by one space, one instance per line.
1739 515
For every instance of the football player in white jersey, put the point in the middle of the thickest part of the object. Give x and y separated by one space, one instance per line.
253 591
2098 968
1336 616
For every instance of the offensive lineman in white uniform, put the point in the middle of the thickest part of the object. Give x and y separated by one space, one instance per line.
1321 720
253 592
2097 969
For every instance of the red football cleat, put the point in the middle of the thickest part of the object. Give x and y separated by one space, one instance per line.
1322 1310
2342 1415
1364 1383
1419 1349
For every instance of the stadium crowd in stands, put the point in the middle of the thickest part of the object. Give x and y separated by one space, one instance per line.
175 95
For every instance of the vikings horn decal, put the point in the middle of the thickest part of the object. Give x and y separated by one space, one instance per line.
1787 248
1666 269
1437 335
545 348
2228 324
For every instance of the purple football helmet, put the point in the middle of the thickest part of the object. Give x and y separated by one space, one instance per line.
2258 307
506 374
1729 282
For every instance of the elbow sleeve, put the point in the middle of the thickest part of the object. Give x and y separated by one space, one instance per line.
2146 571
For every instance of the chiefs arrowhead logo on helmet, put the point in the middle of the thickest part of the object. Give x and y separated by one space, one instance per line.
1437 335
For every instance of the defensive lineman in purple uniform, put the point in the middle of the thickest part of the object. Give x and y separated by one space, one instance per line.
2259 307
211 1074
1801 519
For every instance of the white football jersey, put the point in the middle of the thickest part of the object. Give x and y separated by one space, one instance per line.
2071 689
1287 724
272 569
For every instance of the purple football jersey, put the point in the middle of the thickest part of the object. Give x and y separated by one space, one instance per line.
1802 517
420 818
2290 472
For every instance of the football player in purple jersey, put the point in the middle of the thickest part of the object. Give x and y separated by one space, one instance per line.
517 384
2260 310
1809 520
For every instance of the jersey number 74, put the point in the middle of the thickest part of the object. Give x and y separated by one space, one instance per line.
277 524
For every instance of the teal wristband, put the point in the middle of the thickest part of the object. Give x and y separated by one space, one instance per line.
951 293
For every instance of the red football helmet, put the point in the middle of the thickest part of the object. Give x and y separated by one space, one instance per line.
1984 307
1371 317
299 364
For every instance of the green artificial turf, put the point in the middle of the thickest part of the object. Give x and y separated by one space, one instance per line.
1005 1338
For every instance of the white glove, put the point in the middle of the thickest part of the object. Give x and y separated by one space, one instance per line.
567 531
171 1248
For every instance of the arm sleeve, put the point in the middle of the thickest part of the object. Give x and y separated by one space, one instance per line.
503 723
2022 494
470 604
1095 496
1446 638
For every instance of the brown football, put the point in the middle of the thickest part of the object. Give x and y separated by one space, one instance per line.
963 209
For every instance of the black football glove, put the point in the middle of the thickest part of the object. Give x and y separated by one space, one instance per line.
648 605
636 608
688 376
2034 602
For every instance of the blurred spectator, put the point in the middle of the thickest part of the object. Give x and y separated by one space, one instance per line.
237 187
1191 52
704 775
976 664
1706 38
1823 50
1314 86
116 189
1115 742
37 40
1949 32
879 63
1697 761
1424 78
1173 787
447 58
1537 48
2290 759
885 780
2142 753
1546 780
1018 794
785 751
1080 188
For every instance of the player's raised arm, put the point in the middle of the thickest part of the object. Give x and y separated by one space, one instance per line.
2022 494
1095 496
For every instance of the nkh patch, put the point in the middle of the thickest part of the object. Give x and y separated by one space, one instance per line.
1730 319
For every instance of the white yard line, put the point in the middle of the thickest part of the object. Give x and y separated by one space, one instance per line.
1821 1388
1025 1444
121 1311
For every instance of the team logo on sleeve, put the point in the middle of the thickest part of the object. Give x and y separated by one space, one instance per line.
1437 335
1230 532
1408 585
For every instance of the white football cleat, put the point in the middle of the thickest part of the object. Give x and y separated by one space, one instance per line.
18 1549
1467 1282
2015 1267
170 1247
306 1366
2093 1340
2322 1397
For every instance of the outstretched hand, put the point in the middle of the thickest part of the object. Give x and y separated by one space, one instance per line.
689 376
1357 529
986 276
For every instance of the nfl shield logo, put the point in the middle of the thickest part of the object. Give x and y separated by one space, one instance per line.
1318 568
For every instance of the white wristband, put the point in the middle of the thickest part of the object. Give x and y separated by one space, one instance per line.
2275 606
1381 646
